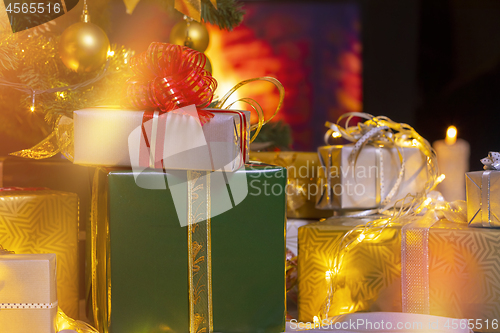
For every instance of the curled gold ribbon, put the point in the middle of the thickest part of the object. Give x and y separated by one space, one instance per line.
256 106
59 141
405 135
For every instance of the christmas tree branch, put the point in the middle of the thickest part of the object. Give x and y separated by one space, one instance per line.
228 15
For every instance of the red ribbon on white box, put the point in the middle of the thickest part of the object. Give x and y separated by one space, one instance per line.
154 127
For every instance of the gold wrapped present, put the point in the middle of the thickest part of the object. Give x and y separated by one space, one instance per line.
302 188
463 272
44 221
57 174
292 233
28 298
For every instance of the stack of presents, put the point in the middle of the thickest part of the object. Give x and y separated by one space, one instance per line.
167 222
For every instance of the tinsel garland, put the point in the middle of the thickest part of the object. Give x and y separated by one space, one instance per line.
34 62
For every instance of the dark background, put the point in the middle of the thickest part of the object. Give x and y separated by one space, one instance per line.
434 63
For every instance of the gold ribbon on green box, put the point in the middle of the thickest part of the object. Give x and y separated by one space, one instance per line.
199 255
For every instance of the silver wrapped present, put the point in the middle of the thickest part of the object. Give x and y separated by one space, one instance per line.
367 182
483 193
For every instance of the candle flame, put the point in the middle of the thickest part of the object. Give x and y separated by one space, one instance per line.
451 135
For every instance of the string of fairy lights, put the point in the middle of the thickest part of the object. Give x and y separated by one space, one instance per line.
34 92
187 32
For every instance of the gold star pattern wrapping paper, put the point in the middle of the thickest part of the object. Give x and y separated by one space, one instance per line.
464 271
45 221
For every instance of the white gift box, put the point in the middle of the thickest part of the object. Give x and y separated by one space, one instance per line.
366 183
173 140
28 298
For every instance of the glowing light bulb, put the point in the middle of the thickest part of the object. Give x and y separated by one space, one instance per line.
336 134
440 178
451 135
32 108
427 202
111 53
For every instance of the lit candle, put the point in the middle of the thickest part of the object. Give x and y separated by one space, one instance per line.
453 162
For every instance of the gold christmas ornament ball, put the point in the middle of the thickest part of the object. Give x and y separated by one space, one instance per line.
208 66
197 35
83 47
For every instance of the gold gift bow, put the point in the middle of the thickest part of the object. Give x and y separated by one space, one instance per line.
191 8
61 140
63 322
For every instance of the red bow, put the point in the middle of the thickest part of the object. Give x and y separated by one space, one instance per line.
168 77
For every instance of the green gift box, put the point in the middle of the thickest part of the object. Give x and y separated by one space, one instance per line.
139 253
